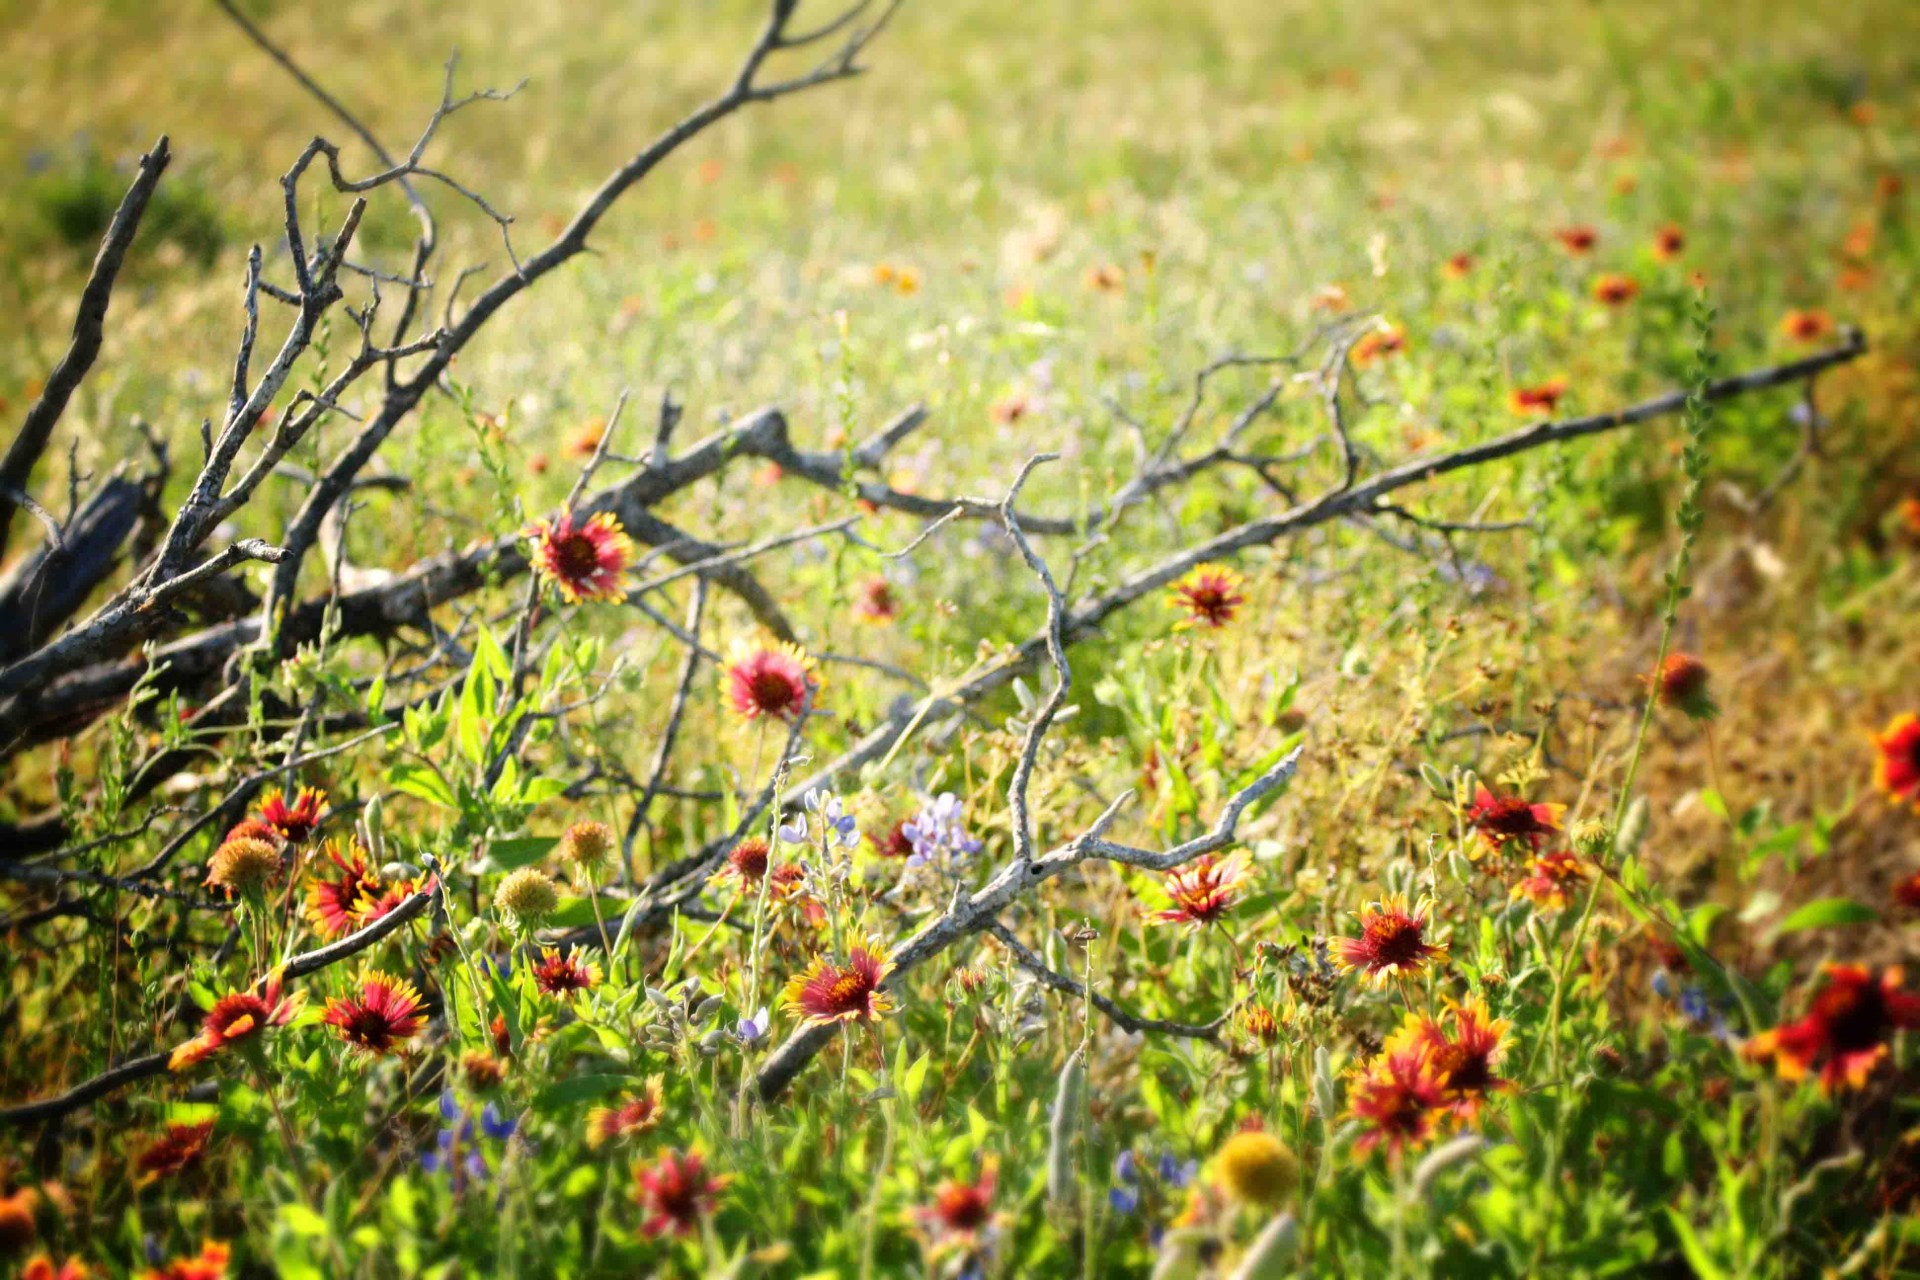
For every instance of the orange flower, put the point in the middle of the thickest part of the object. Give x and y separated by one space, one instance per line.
826 992
1463 1057
1203 891
1105 278
1458 267
335 903
1210 594
40 1267
296 821
179 1148
1549 882
583 561
1377 344
962 1210
379 1016
238 1018
876 603
1845 1032
675 1192
1615 290
1538 400
1398 1099
562 975
636 1115
1806 326
1504 820
1392 942
1907 510
1682 685
209 1264
1577 240
1669 242
1897 771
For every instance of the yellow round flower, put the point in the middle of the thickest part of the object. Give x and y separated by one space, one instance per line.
1254 1168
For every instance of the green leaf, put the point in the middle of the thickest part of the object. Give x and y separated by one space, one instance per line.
520 851
571 1092
423 782
1823 913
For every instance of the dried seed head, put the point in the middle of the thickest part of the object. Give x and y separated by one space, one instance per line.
243 865
588 846
526 897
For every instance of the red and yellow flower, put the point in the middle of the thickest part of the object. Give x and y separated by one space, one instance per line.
336 902
634 1116
876 602
1846 1030
1578 239
1614 289
1209 594
1203 891
1897 771
1399 1101
1806 325
1669 242
40 1267
1393 942
295 821
1504 821
1377 344
238 1018
1538 400
178 1148
961 1211
827 992
1682 685
1550 881
562 974
675 1192
1463 1053
582 561
209 1264
379 1015
771 678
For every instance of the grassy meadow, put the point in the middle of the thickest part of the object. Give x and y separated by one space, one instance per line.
1621 1046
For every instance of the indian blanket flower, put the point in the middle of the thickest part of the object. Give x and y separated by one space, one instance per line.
876 602
962 1210
1615 290
746 862
381 1013
1398 1100
1463 1054
895 843
589 846
634 1116
336 903
1550 881
1906 892
828 992
209 1264
1578 239
1376 345
40 1267
1458 267
179 1147
1806 326
1210 595
583 561
1503 821
526 897
1203 891
1538 400
1669 242
296 821
1897 771
562 974
1393 942
1845 1031
1682 685
771 678
675 1192
938 832
244 866
1259 1023
238 1018
1255 1168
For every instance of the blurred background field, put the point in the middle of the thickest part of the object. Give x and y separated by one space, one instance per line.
1040 219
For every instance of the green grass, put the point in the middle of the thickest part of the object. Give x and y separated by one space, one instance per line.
1223 163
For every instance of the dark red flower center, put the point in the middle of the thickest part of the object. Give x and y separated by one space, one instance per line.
772 690
1855 1015
368 1026
576 555
1394 940
1462 1068
963 1208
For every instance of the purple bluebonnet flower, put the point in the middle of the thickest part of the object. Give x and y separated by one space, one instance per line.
836 825
1124 1194
937 832
458 1151
749 1030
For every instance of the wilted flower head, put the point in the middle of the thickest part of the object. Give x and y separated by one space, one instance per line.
238 1018
1509 820
1845 1032
938 832
589 846
675 1192
583 561
1897 771
1392 942
1550 881
826 991
526 897
636 1115
244 865
746 862
380 1013
562 974
1210 595
1203 891
1682 685
771 678
179 1147
296 821
1255 1168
